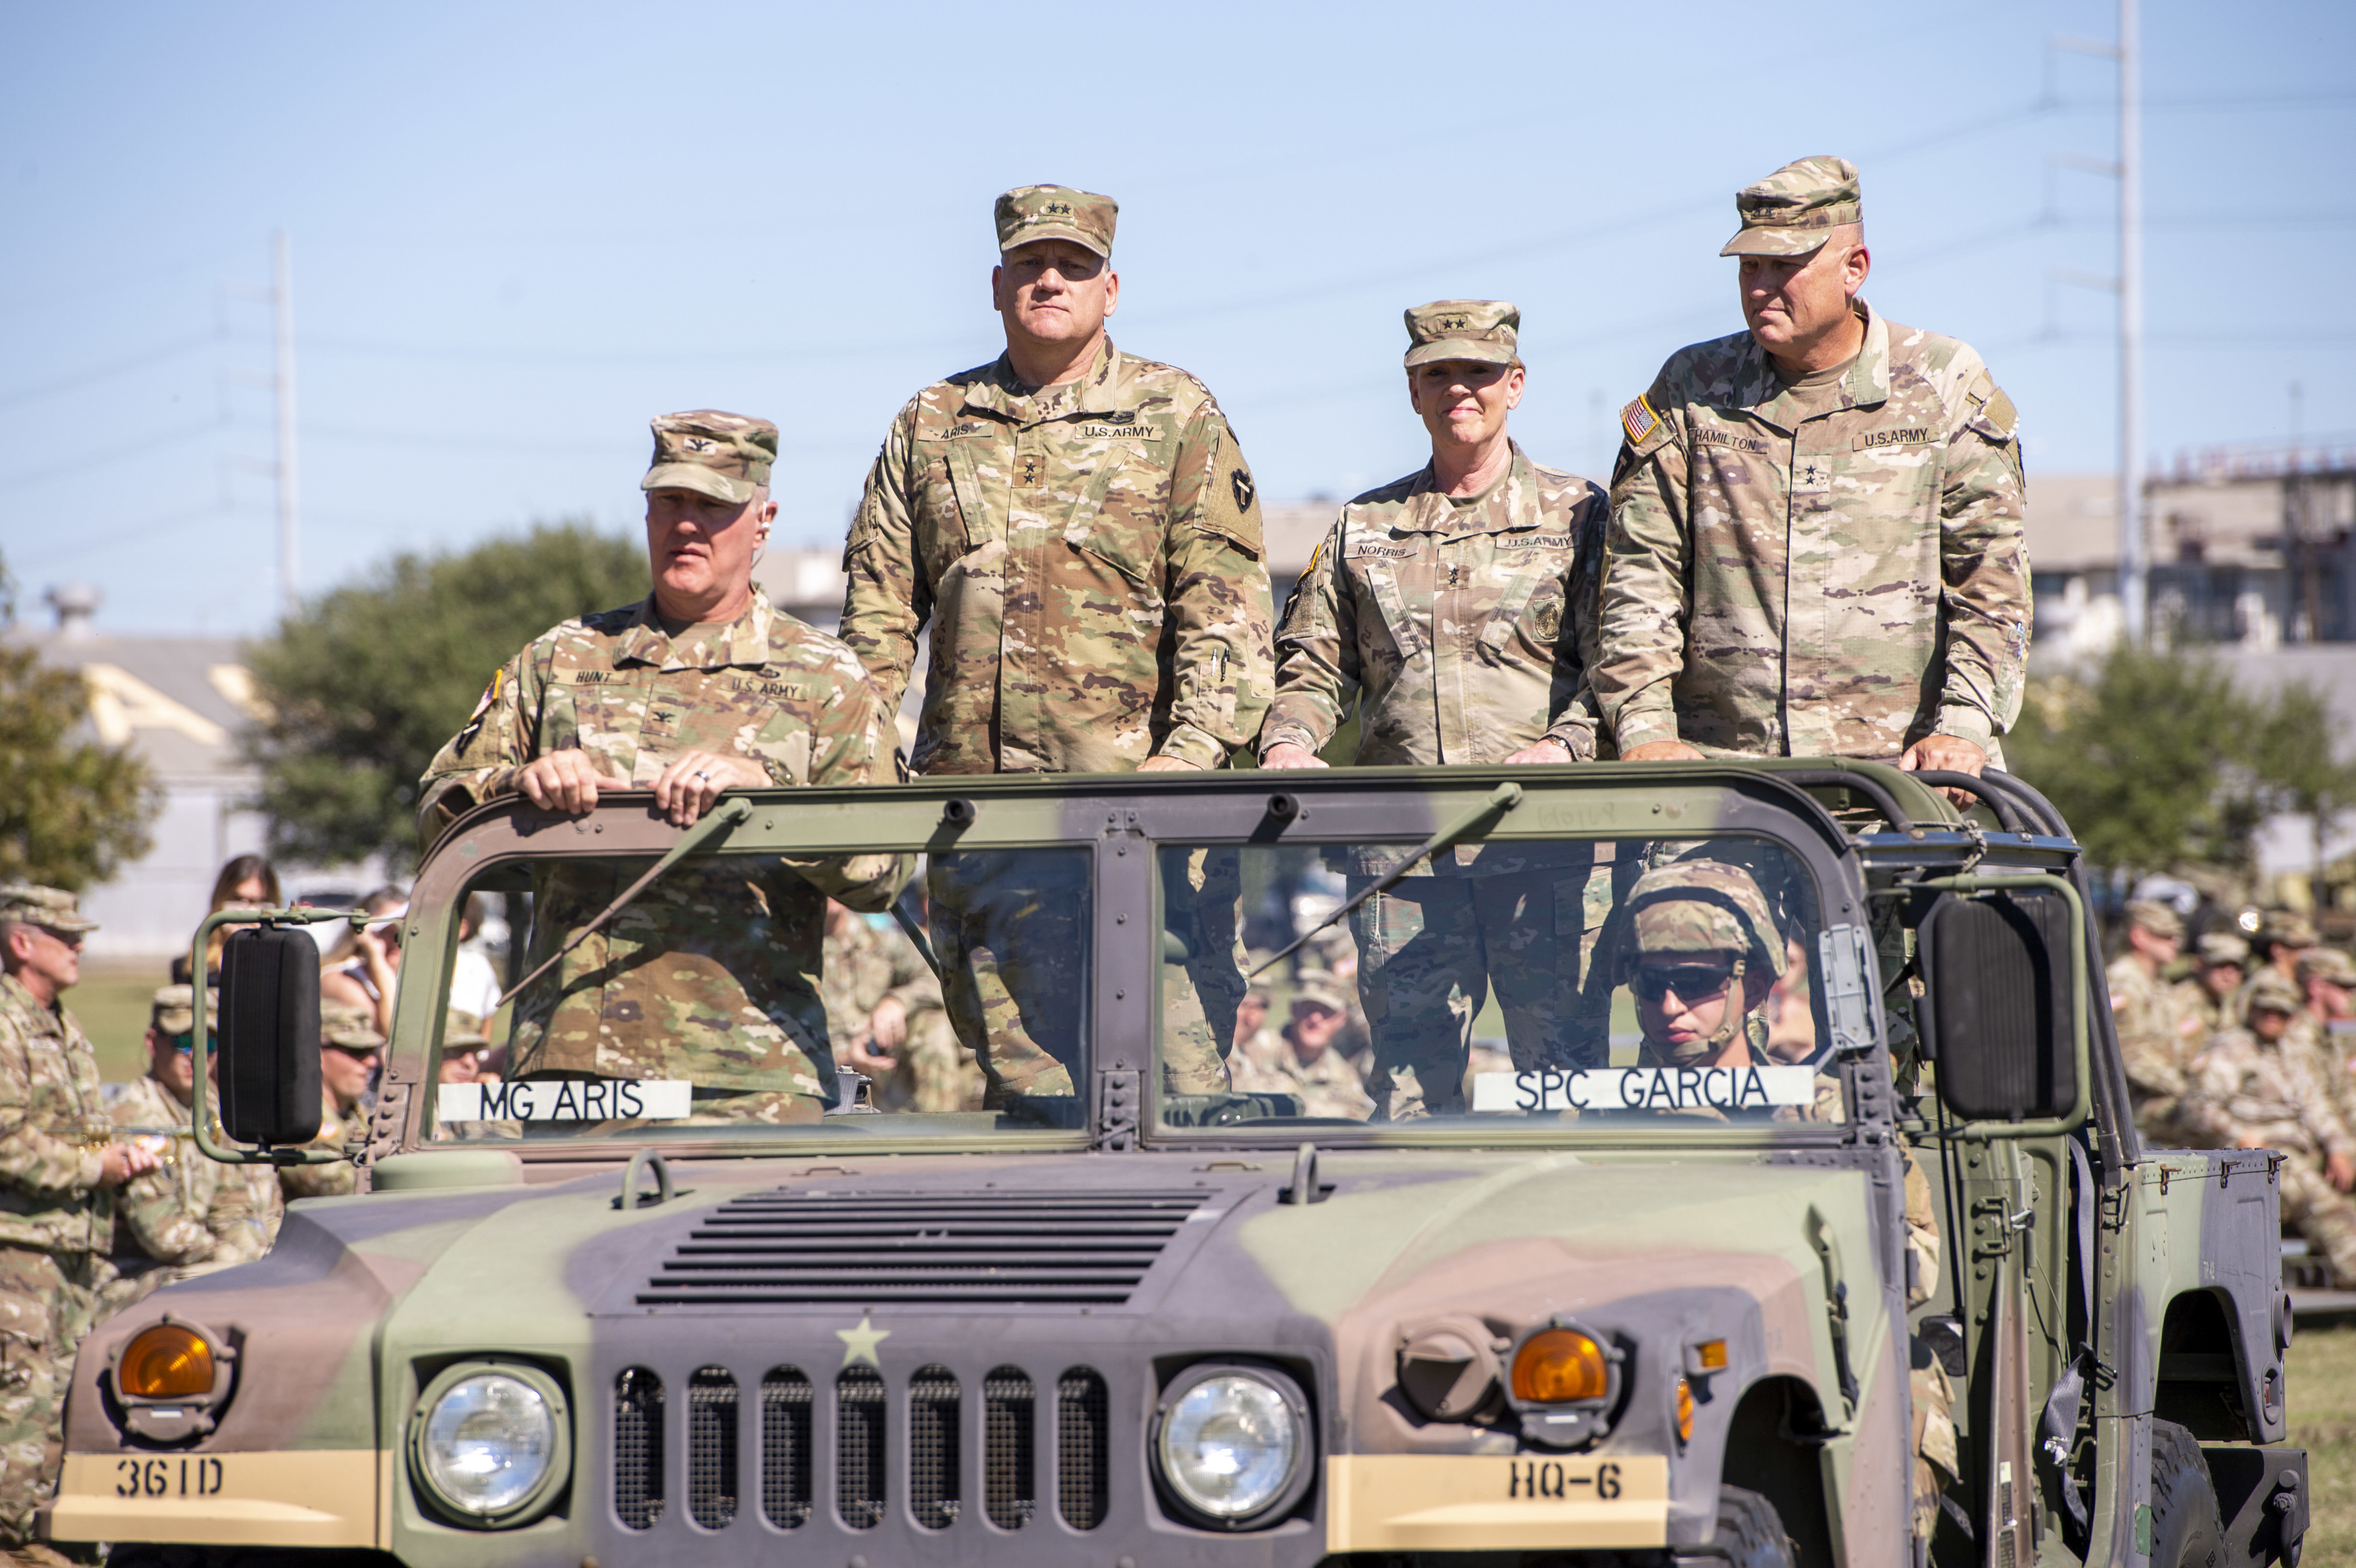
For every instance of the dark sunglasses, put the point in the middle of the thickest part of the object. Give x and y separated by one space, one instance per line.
1691 982
185 1044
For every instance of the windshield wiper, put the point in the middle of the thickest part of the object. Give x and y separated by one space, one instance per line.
1502 799
717 823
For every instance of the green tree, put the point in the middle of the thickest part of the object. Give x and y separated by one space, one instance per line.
2160 761
370 680
2295 762
2136 758
71 811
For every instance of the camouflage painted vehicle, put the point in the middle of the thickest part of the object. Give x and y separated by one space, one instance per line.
1596 1314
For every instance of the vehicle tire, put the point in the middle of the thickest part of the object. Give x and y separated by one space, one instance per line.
1750 1535
2187 1531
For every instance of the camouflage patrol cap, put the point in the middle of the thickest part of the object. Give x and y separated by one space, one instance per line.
1318 988
2285 928
52 909
1487 331
349 1025
1699 906
1793 210
727 456
1030 212
2220 947
463 1031
2159 919
2325 964
173 1010
2274 992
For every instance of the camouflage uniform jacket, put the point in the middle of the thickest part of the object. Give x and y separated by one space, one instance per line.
863 966
51 1115
1469 627
735 1005
1816 572
337 1131
192 1209
2245 1088
1329 1086
1087 556
2159 1038
2192 997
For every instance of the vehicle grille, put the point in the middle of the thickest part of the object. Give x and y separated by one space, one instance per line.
788 1247
786 1447
1080 1447
1008 1477
932 1447
935 1433
638 1448
859 1447
711 1447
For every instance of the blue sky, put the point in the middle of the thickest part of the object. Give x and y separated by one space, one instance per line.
519 231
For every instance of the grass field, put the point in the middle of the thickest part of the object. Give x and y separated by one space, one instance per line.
2323 1421
113 1007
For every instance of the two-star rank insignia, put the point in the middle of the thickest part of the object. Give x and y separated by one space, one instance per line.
860 1344
1241 483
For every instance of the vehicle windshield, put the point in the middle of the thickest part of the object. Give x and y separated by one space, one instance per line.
1597 982
773 995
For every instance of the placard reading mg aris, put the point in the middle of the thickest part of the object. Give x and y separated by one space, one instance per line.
1644 1089
568 1100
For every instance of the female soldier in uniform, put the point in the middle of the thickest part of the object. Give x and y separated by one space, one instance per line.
1456 605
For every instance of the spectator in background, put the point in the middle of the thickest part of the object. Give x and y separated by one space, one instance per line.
361 969
473 980
247 882
190 1215
2222 960
349 1052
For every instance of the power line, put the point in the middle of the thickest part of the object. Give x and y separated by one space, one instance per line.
97 373
83 466
105 539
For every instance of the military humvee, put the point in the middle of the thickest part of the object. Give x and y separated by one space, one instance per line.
1588 1312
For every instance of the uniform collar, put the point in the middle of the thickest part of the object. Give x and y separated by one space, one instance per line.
746 642
1102 389
1514 504
15 994
1759 389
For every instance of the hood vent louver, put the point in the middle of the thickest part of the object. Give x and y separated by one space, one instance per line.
788 1248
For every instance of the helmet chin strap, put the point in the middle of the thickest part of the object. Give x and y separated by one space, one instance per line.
1697 1052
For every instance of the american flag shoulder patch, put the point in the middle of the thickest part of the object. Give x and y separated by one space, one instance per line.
1639 420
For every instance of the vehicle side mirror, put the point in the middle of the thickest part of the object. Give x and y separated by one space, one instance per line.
1995 1013
269 1041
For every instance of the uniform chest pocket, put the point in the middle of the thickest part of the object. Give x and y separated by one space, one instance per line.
1121 513
1381 589
1542 621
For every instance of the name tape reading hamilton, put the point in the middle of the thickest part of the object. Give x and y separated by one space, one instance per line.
568 1100
1644 1089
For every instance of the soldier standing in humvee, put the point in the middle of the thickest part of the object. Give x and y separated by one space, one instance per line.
700 688
1816 541
1078 529
1455 606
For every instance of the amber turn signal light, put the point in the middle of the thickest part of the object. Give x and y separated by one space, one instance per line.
1685 1413
167 1361
1558 1365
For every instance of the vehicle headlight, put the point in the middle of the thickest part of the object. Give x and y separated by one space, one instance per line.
1232 1444
491 1441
